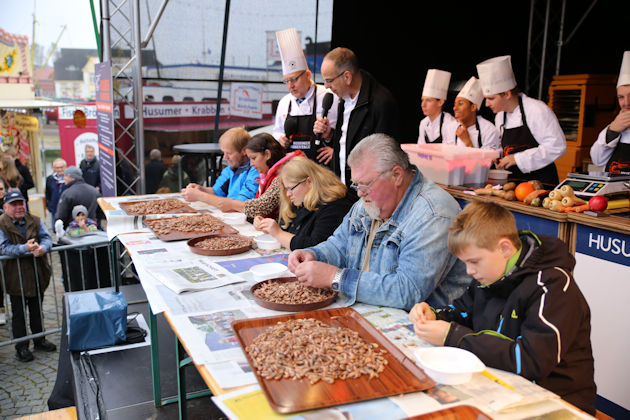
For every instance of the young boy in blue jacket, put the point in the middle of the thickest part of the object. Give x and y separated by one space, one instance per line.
523 312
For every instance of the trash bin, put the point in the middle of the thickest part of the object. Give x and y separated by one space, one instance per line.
88 266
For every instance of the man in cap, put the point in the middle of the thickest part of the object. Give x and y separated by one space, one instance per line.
365 107
473 130
530 133
298 110
78 192
612 148
437 126
26 278
391 248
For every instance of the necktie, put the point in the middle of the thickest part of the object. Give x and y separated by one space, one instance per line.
299 100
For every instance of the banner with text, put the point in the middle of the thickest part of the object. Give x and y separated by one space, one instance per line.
105 127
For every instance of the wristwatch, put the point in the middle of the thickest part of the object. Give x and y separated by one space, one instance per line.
336 282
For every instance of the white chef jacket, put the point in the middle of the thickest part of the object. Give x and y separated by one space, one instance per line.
304 108
489 135
602 151
544 126
432 128
349 104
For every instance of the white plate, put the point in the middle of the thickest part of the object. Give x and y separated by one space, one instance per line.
448 365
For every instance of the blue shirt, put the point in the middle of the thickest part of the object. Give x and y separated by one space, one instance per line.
13 250
409 258
241 184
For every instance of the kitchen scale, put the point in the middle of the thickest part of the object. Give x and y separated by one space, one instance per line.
595 183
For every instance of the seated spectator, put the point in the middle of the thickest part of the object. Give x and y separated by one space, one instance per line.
313 202
90 168
239 179
81 223
26 236
170 178
153 171
55 185
391 248
523 313
78 192
266 155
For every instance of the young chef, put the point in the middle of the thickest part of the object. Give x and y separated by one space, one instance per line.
473 129
437 126
530 133
612 148
298 110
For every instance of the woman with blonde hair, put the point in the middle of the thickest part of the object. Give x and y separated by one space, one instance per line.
313 202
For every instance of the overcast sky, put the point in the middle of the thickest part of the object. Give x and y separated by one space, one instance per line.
16 16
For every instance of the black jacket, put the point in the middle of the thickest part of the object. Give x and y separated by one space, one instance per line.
376 111
153 172
313 227
78 192
91 172
534 322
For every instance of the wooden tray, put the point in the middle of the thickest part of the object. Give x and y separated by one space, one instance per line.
400 376
459 412
287 306
178 236
192 243
125 206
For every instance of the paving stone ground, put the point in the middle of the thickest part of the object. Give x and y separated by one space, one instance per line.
25 387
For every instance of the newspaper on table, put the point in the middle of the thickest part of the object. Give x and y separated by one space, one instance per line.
193 275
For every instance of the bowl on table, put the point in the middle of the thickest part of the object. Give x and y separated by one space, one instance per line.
266 241
498 174
448 365
234 218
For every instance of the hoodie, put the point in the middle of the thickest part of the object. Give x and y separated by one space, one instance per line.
534 322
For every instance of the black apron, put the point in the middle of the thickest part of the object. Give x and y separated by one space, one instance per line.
518 139
299 129
478 134
439 138
620 159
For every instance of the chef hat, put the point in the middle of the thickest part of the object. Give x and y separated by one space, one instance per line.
472 92
496 75
436 84
624 73
291 51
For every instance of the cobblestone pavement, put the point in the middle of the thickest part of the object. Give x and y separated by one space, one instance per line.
25 387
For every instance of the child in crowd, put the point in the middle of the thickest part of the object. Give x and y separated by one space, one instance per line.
81 223
524 313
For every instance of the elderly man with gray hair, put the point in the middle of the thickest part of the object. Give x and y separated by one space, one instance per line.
78 192
391 248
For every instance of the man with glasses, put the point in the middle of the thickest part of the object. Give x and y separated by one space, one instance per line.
391 248
298 110
365 107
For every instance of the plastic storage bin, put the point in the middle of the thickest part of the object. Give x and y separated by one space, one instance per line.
449 164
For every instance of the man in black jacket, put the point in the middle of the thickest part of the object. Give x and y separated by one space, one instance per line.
77 192
153 171
365 107
90 168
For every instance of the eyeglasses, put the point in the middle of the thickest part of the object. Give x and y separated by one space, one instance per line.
293 79
329 81
294 187
365 188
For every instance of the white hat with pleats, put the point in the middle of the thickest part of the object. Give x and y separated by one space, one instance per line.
291 52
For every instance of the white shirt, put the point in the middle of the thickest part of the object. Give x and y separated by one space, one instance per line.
489 135
349 105
304 108
544 126
432 128
602 151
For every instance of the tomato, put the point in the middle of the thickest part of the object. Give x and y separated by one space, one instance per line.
598 203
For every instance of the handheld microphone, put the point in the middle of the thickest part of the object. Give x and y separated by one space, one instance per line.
326 104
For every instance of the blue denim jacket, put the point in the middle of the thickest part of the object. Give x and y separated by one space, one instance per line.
409 260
